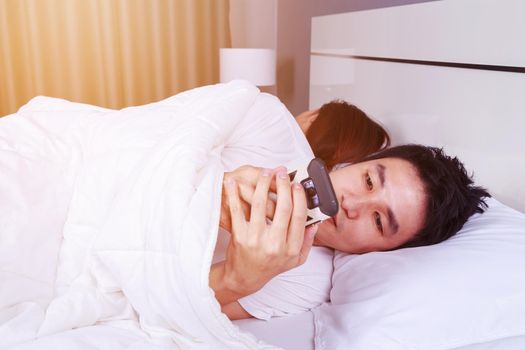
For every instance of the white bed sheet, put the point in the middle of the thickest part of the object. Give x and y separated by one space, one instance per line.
511 343
125 335
289 333
297 333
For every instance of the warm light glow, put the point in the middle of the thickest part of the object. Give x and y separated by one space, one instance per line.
108 53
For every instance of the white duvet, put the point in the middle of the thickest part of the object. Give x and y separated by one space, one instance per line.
108 221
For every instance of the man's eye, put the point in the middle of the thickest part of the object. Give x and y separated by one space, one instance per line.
379 224
369 183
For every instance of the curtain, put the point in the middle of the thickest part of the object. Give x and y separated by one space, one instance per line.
111 53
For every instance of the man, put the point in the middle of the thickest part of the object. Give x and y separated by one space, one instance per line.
403 196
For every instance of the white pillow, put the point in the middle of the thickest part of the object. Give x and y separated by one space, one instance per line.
469 289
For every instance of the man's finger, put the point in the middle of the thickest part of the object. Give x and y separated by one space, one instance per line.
273 185
270 208
283 210
246 192
234 202
308 241
298 219
260 198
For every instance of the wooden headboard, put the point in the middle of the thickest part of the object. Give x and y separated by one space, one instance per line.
445 73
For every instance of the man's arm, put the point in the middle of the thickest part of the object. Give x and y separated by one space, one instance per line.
235 311
227 289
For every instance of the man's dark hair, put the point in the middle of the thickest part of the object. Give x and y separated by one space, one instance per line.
450 192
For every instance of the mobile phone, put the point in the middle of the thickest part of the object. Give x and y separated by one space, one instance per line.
320 195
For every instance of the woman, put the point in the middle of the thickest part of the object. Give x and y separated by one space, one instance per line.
340 132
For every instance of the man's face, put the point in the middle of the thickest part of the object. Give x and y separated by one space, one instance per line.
381 206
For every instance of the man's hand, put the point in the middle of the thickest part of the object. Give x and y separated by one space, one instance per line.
246 178
259 250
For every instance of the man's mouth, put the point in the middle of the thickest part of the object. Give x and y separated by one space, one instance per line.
334 221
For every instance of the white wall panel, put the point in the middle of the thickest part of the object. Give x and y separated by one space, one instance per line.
478 115
474 31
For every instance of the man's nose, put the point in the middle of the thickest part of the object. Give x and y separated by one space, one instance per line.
352 207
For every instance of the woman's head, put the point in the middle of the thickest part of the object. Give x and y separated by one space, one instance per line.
342 133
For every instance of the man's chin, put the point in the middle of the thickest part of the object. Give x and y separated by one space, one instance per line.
318 239
326 233
318 243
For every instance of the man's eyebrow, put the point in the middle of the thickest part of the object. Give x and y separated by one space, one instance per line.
394 226
392 221
381 172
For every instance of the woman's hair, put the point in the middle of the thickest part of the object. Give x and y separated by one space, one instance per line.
342 133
